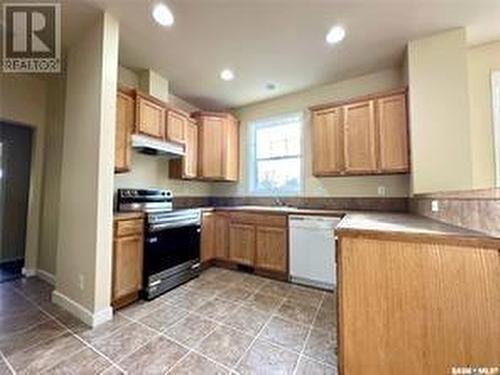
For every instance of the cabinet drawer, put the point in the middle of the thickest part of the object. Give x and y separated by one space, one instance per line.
129 227
260 219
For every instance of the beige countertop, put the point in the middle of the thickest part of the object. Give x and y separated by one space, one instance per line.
403 226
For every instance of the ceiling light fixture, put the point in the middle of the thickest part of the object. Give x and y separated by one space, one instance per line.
163 15
226 75
335 35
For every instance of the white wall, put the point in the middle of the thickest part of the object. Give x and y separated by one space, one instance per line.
439 113
364 186
83 279
482 60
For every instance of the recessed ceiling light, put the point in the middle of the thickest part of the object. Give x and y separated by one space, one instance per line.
163 15
335 35
226 75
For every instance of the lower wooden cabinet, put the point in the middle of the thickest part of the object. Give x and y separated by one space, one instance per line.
221 250
207 249
128 247
248 239
271 249
242 243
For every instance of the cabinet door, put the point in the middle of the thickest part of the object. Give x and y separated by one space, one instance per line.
242 243
150 118
191 158
221 236
359 138
176 127
328 148
272 249
393 133
127 265
231 149
211 147
207 237
124 127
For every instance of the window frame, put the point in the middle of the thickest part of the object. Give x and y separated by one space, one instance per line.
268 122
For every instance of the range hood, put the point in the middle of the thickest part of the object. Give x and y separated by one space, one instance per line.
152 146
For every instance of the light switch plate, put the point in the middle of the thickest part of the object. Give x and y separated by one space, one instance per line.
435 206
382 191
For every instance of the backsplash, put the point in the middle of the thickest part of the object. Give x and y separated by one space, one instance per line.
477 210
365 204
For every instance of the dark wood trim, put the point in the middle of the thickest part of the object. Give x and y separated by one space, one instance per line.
356 99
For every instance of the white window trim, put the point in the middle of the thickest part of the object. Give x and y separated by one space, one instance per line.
495 105
251 153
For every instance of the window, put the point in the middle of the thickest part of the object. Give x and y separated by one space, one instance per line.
276 155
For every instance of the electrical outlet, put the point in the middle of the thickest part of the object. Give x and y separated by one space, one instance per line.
435 206
382 191
81 282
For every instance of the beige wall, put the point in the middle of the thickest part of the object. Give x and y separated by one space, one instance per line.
52 164
152 171
439 113
397 186
482 60
23 99
85 231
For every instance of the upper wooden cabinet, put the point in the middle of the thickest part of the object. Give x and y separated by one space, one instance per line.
362 136
150 116
218 148
187 166
359 137
175 130
125 110
328 142
393 133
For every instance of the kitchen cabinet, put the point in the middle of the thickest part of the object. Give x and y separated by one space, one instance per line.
242 243
359 137
328 142
221 236
150 116
218 146
362 136
128 246
214 236
125 110
207 250
393 133
431 287
271 249
175 129
187 166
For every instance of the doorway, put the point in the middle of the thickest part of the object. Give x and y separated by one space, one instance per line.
15 167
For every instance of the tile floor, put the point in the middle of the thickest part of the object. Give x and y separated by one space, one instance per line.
224 322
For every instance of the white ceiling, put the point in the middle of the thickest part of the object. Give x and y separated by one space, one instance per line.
279 41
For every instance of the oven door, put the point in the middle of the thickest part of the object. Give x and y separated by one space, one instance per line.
171 247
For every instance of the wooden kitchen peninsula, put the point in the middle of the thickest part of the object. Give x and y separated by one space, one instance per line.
416 296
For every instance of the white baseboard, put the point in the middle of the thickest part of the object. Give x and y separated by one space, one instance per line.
46 276
28 272
82 313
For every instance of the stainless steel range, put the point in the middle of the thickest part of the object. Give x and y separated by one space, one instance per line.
172 239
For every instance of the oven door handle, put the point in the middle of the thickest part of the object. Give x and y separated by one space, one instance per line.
178 224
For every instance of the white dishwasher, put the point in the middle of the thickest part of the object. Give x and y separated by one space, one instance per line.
312 250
